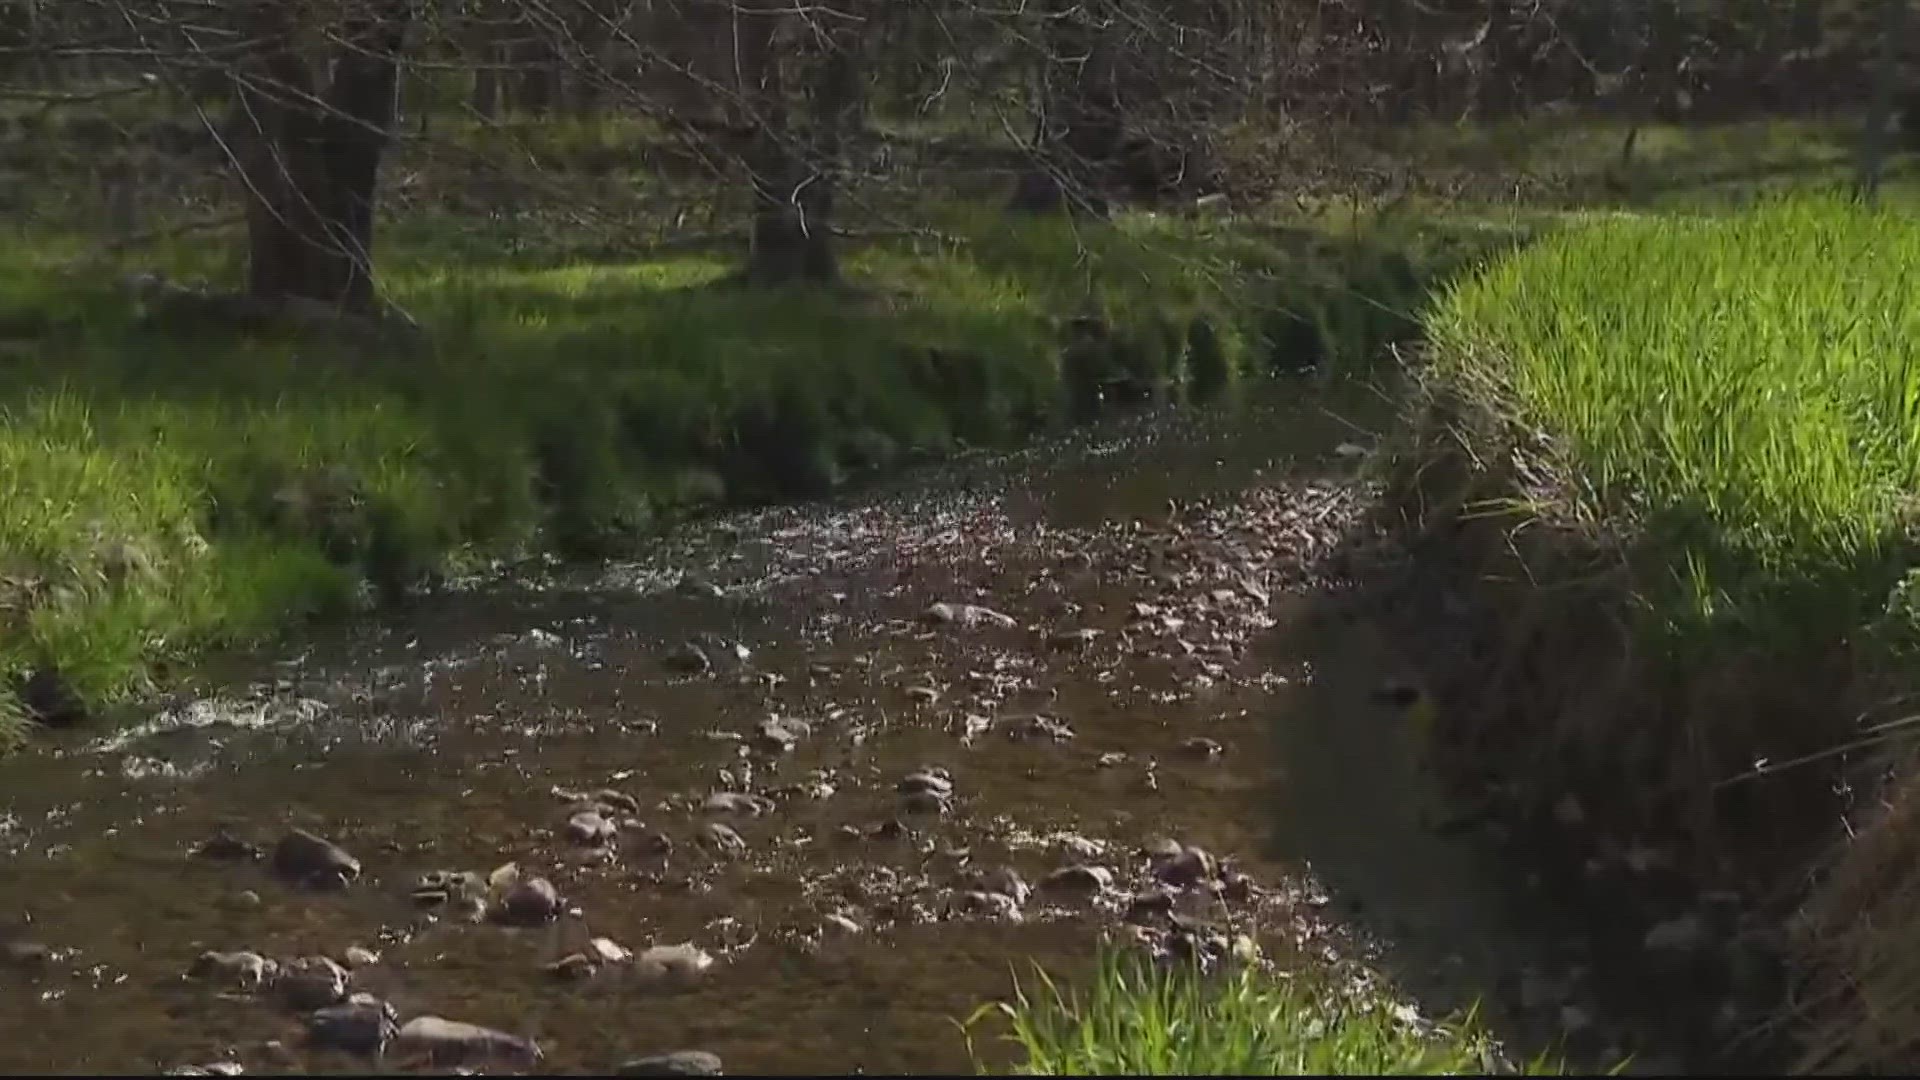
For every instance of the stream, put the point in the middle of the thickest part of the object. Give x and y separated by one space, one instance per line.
835 773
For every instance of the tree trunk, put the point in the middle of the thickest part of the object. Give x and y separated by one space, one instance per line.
1876 137
1081 126
309 159
791 241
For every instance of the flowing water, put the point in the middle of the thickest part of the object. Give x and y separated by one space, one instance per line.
1151 577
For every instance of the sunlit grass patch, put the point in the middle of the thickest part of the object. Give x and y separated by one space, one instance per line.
1141 1019
1742 391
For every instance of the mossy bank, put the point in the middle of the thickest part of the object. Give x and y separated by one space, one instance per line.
170 487
1658 493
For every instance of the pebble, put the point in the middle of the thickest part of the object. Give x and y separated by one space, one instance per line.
1189 867
247 970
1684 934
1080 879
777 736
305 856
673 1063
223 846
448 1044
924 802
967 615
313 982
672 963
589 827
1003 880
363 1025
989 904
734 802
1201 746
722 838
1037 728
1072 640
936 781
358 956
572 967
605 950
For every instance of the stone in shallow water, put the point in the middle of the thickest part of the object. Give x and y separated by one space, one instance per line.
672 963
530 902
735 802
361 1026
591 828
246 970
1080 880
450 1044
675 1063
302 855
313 982
721 837
968 615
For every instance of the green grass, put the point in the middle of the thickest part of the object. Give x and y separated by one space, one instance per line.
1740 391
170 490
1140 1020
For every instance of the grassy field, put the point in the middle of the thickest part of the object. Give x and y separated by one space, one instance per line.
1137 1019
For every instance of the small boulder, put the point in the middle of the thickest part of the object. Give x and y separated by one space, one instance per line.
529 902
674 1063
305 857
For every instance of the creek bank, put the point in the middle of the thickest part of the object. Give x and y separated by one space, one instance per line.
224 489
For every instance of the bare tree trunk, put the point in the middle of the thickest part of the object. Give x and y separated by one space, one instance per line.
308 156
1874 140
1081 126
791 241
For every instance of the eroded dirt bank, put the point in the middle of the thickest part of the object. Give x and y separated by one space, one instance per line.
831 773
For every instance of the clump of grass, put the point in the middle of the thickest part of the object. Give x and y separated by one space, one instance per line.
1140 1019
1740 392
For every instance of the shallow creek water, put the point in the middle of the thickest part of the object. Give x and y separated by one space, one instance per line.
1152 576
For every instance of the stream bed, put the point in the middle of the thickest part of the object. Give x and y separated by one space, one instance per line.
807 785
